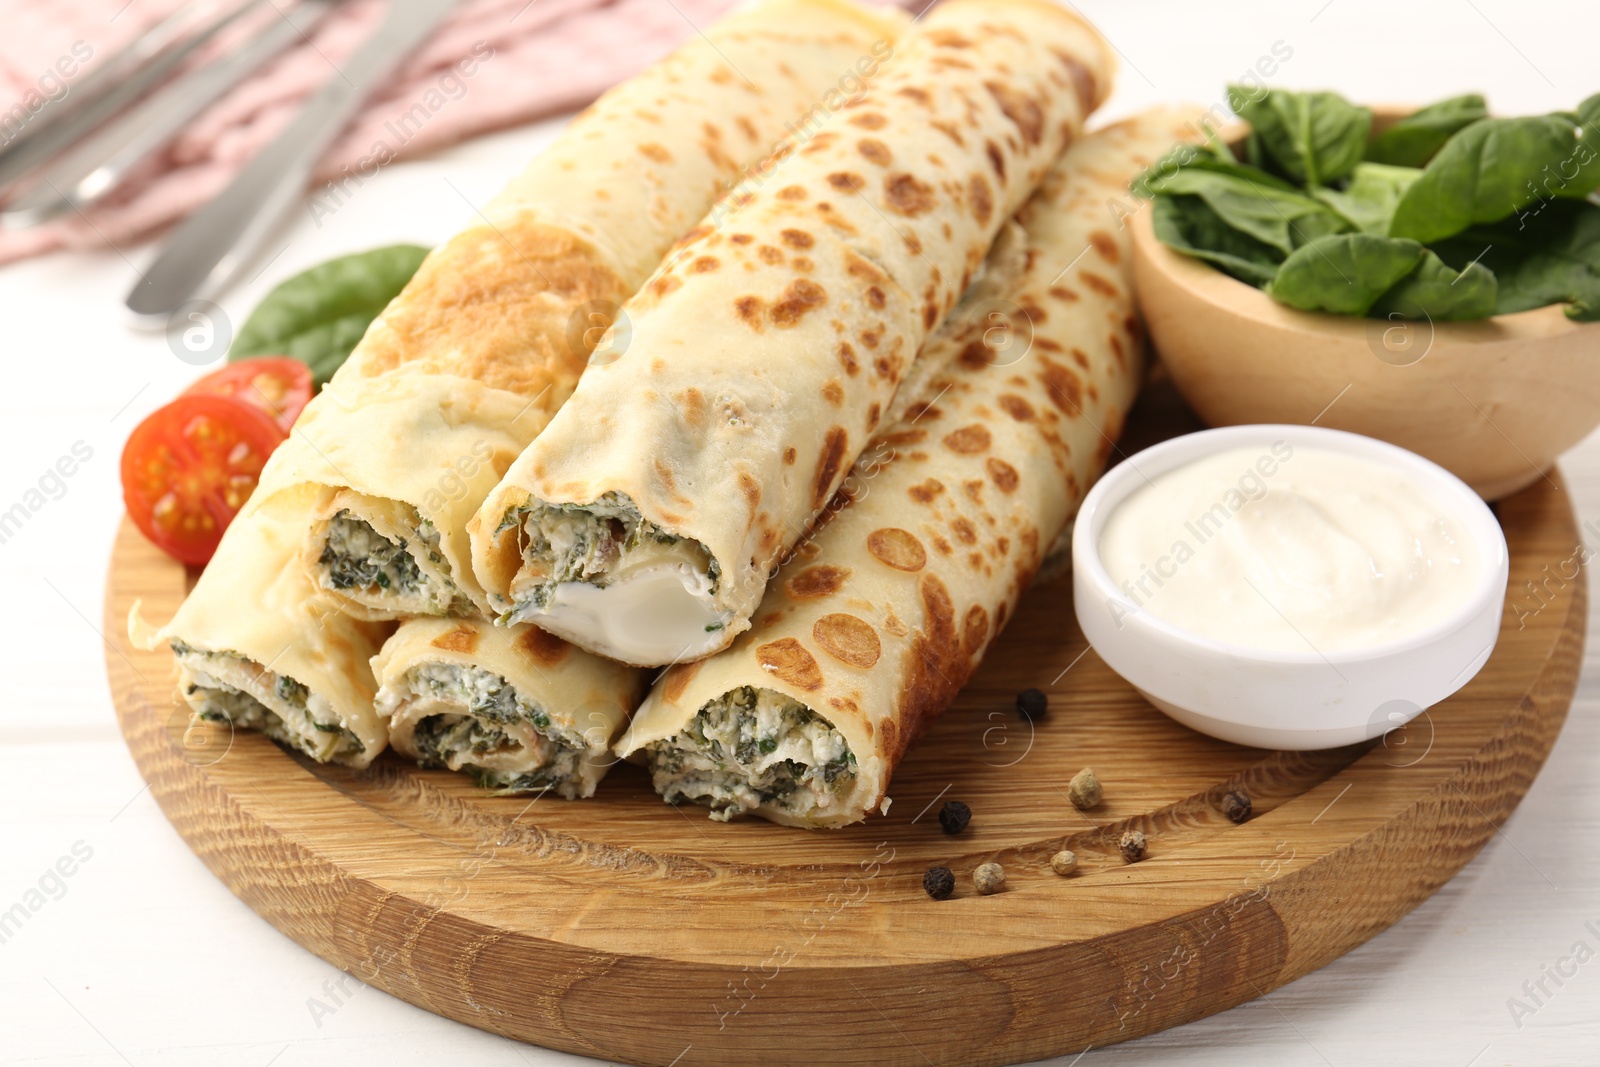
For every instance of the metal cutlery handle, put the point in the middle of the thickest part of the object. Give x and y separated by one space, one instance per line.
209 249
94 168
125 77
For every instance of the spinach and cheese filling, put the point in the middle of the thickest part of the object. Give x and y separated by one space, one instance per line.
752 748
601 543
407 575
468 719
228 687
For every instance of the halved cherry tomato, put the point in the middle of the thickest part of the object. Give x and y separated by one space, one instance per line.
189 468
278 385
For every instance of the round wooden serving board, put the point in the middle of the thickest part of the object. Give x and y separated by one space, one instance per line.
626 929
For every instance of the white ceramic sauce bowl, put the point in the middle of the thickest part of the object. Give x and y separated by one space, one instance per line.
1286 699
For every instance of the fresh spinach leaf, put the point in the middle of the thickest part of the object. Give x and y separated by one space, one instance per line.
1439 293
1216 148
1552 257
1490 170
1589 117
1253 153
1368 202
1281 218
1312 138
1186 224
318 315
1190 157
1344 273
1415 139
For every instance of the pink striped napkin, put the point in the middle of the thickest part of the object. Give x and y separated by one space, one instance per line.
495 63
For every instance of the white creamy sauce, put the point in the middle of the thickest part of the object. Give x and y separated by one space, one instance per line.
657 614
1290 548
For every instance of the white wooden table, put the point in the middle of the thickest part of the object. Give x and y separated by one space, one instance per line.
139 956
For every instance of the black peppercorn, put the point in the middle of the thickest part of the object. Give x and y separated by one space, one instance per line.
1236 806
1032 704
939 883
1133 846
954 816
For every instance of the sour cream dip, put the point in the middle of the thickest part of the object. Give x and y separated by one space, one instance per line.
1293 548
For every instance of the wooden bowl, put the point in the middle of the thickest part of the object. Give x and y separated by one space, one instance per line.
1493 401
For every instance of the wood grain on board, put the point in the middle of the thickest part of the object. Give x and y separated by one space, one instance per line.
626 929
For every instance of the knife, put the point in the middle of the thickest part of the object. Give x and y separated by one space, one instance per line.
93 169
216 242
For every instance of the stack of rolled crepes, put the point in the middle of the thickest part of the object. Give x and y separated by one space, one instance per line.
460 372
718 432
872 626
456 377
759 360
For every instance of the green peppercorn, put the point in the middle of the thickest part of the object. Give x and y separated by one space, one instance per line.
1236 806
1064 862
1133 846
989 878
954 816
1032 704
939 883
1084 790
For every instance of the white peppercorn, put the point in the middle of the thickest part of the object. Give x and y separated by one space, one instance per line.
1084 790
989 878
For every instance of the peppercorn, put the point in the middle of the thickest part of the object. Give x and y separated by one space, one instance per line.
1236 806
939 883
1032 704
989 878
1084 790
1064 862
954 816
1132 846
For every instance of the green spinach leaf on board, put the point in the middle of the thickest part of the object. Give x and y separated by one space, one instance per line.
1413 140
318 315
1439 293
1552 257
1311 138
1280 218
1369 200
1492 169
1186 224
1344 273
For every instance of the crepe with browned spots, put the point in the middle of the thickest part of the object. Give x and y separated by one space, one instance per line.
489 338
762 356
884 610
467 364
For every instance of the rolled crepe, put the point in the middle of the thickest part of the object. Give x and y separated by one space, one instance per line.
881 616
466 365
386 464
517 708
760 358
257 649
